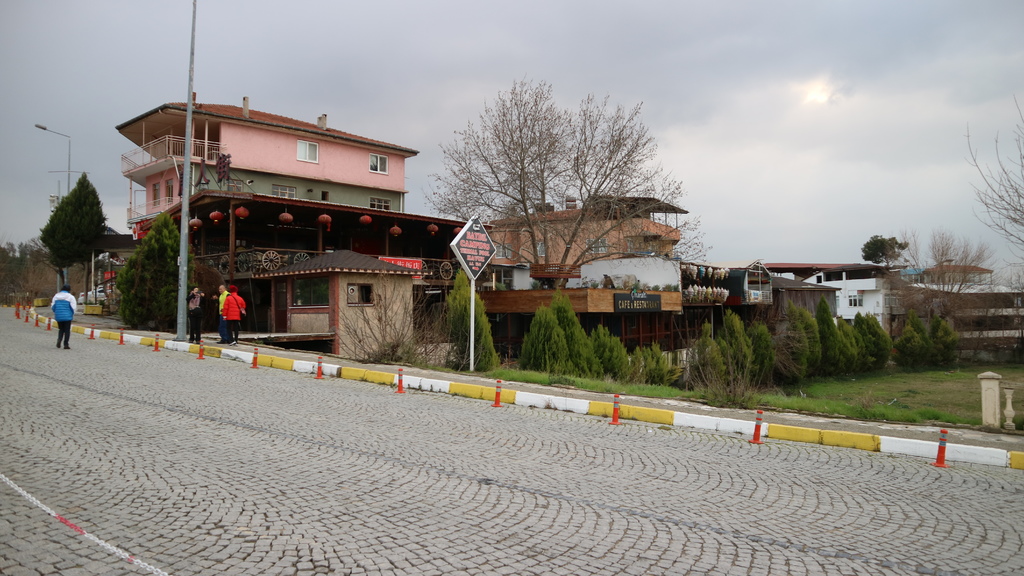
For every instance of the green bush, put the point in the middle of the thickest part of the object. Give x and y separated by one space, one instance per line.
651 367
913 347
484 355
944 341
580 360
877 344
832 357
544 347
763 354
611 353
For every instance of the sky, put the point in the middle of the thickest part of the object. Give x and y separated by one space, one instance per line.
799 129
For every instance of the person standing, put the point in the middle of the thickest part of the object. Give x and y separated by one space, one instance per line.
195 315
234 311
222 323
63 306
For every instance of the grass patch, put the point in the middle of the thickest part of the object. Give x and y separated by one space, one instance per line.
949 396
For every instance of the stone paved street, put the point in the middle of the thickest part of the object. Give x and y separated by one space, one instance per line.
211 467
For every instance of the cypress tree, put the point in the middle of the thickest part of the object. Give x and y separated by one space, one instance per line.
611 352
913 347
851 349
944 341
707 367
736 349
485 356
581 360
877 344
809 326
74 225
544 347
763 353
148 283
831 354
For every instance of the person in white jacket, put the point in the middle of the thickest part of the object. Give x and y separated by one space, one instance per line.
63 306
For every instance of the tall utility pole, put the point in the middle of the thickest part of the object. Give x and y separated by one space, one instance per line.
186 189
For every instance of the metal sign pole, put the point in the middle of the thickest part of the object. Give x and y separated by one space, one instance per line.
472 323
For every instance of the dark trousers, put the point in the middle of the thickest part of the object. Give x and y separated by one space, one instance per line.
63 332
195 326
233 328
223 329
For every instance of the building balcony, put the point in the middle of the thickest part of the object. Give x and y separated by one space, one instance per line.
164 153
254 260
554 271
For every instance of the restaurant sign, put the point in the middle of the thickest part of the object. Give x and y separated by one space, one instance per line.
637 301
473 248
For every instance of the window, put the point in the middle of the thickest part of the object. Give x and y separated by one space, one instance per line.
360 294
234 186
599 246
380 203
282 191
169 189
310 292
156 191
856 299
378 163
503 251
542 250
325 196
308 151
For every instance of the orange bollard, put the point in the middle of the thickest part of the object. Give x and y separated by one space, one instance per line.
37 320
940 458
615 412
200 357
48 320
17 310
156 343
319 368
255 358
757 429
92 332
401 385
26 315
120 339
497 396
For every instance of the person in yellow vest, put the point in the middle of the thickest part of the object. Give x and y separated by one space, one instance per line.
222 327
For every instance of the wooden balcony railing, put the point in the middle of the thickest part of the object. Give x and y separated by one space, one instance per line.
253 260
554 271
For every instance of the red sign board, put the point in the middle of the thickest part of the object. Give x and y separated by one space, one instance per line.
411 263
473 248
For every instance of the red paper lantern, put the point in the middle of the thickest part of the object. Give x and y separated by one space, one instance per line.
285 218
324 219
365 220
195 223
242 212
457 230
395 230
432 228
216 216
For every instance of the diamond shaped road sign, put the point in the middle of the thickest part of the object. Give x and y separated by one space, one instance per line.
473 247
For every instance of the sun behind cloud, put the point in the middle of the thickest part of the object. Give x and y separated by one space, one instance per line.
820 92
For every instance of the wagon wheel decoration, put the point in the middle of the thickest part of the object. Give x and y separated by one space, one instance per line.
222 265
447 270
271 260
243 262
300 257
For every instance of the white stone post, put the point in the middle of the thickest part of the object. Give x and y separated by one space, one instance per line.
1008 412
990 398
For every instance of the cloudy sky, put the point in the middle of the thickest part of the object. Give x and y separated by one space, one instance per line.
798 128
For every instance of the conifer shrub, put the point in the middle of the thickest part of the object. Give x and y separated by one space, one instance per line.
832 356
650 366
877 344
581 360
544 346
914 347
944 341
762 354
611 353
851 349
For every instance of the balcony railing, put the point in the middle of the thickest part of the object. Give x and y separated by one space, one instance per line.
254 260
554 271
168 146
139 210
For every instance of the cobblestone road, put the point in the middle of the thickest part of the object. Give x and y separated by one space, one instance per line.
211 467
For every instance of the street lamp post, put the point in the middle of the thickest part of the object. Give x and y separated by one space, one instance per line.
68 191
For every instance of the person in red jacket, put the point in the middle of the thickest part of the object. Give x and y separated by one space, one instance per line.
234 311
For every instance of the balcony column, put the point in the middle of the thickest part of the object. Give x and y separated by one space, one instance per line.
1008 412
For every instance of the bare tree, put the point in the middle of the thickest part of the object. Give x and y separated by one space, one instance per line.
944 274
527 156
1001 192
